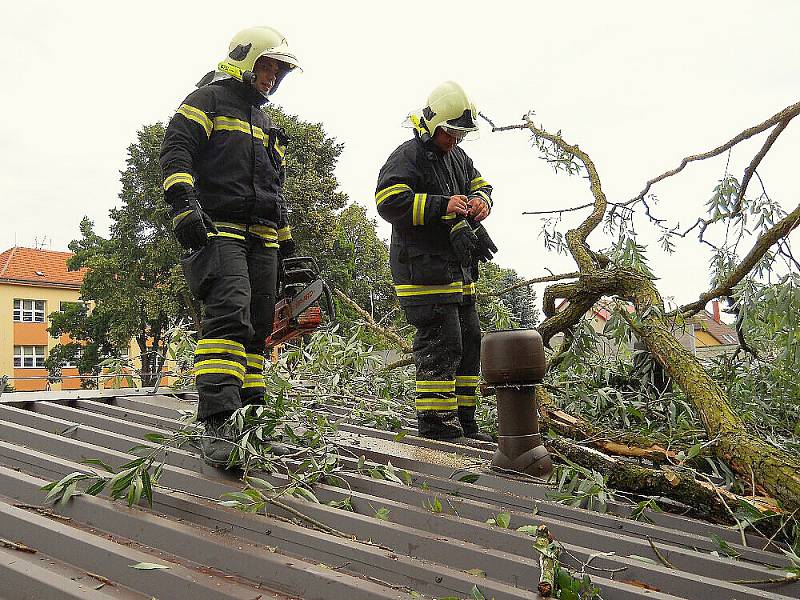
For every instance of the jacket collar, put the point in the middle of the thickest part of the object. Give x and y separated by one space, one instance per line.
244 90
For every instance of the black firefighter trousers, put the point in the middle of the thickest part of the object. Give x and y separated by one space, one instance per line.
235 279
447 352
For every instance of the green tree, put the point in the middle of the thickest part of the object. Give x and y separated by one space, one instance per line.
311 188
91 329
132 277
516 308
359 267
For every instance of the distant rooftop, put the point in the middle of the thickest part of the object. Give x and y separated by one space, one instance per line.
45 268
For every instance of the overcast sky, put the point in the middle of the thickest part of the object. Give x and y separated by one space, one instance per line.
638 85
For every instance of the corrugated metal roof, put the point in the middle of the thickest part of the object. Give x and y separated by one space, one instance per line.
85 548
30 266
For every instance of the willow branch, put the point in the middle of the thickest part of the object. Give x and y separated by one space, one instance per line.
751 168
370 322
576 238
776 233
527 282
787 113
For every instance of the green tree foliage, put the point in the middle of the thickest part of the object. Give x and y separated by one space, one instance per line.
514 309
132 277
91 328
311 188
763 386
359 267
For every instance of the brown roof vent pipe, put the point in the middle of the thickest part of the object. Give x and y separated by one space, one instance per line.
513 361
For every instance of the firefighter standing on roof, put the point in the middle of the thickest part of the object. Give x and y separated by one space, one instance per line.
435 199
223 165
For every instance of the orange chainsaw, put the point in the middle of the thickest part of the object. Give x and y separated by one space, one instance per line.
297 306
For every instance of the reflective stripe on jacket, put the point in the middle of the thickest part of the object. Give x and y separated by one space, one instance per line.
223 146
414 187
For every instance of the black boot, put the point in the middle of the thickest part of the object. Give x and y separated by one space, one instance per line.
218 441
466 415
439 424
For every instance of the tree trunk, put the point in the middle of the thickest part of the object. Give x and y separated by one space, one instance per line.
777 471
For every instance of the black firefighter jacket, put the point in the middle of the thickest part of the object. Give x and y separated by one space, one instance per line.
414 187
223 145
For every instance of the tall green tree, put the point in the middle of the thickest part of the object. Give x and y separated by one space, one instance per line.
359 267
132 276
311 188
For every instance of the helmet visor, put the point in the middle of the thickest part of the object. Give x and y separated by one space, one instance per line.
281 54
461 134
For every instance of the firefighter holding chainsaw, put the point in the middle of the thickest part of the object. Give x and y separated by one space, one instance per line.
436 200
224 168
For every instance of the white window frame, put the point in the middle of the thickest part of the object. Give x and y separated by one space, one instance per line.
34 355
75 359
28 310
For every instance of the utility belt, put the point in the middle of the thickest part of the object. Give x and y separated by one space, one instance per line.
240 231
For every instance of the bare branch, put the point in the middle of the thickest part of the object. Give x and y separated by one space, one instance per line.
751 168
527 282
557 211
787 113
370 322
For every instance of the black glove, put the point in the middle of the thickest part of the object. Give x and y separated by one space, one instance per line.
192 227
464 241
486 249
288 248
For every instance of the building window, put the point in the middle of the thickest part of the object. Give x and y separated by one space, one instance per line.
29 357
73 362
29 311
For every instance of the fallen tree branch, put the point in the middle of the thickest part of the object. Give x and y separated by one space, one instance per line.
774 234
370 322
527 282
777 471
787 113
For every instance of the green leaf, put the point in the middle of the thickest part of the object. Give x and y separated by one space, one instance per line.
257 482
469 477
99 463
476 594
307 494
503 520
229 503
382 514
97 487
69 430
694 451
70 491
529 529
147 488
400 436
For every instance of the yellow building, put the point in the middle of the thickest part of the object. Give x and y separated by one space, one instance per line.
33 284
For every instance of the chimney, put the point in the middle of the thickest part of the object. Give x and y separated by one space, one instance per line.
715 308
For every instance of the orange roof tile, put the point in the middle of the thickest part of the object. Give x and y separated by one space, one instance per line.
29 266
